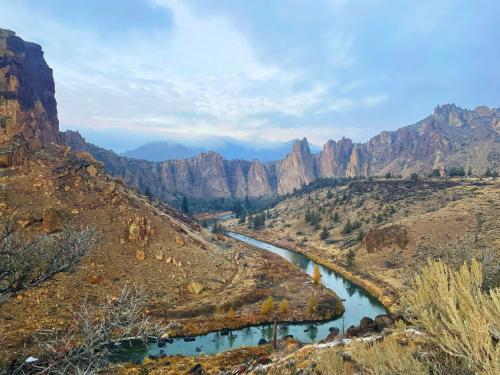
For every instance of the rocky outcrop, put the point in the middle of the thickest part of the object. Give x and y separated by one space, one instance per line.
27 105
451 136
207 175
297 169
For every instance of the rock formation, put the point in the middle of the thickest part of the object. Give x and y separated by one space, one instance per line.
451 136
27 105
297 169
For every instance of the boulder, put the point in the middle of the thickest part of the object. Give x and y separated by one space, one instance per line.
139 229
263 341
352 331
366 324
195 287
92 170
52 221
196 370
383 321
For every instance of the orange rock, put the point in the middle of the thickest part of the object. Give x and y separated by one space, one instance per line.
52 221
179 241
140 255
94 279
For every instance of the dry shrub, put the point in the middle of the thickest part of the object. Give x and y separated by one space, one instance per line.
284 307
329 362
94 343
387 357
231 314
27 263
267 306
462 321
312 304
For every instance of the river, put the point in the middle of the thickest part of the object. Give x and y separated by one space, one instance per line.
357 302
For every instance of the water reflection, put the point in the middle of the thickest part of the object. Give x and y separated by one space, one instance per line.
358 304
283 330
231 338
312 332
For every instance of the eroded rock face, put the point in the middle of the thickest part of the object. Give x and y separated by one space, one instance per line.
28 107
297 169
140 229
451 136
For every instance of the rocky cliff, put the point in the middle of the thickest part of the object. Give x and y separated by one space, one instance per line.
27 105
207 175
451 136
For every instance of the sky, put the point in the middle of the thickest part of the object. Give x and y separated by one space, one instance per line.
129 71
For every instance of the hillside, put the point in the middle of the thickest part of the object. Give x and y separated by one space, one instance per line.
451 137
49 192
389 227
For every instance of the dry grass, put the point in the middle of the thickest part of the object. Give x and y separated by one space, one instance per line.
460 318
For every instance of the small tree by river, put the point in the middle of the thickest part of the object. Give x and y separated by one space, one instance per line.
267 306
316 277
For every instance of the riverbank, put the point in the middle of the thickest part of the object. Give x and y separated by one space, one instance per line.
260 274
377 288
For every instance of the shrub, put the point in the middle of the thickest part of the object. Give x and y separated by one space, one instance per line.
231 314
387 357
316 277
435 173
459 317
267 306
25 264
324 233
284 307
312 304
87 350
456 172
350 257
347 229
414 177
330 362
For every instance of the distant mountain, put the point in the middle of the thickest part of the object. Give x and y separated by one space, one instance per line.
228 148
450 137
162 150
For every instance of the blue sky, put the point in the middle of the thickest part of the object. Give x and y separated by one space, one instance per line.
260 70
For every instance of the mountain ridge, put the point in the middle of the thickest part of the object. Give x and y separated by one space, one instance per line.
229 148
449 137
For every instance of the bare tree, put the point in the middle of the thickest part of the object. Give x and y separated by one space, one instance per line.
102 333
27 263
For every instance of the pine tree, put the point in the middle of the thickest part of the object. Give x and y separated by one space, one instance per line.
351 256
185 205
324 233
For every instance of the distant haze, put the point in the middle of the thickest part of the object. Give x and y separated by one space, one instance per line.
229 149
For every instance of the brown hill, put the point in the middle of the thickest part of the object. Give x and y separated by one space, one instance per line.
390 226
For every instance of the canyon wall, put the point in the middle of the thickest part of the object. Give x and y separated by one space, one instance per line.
450 137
